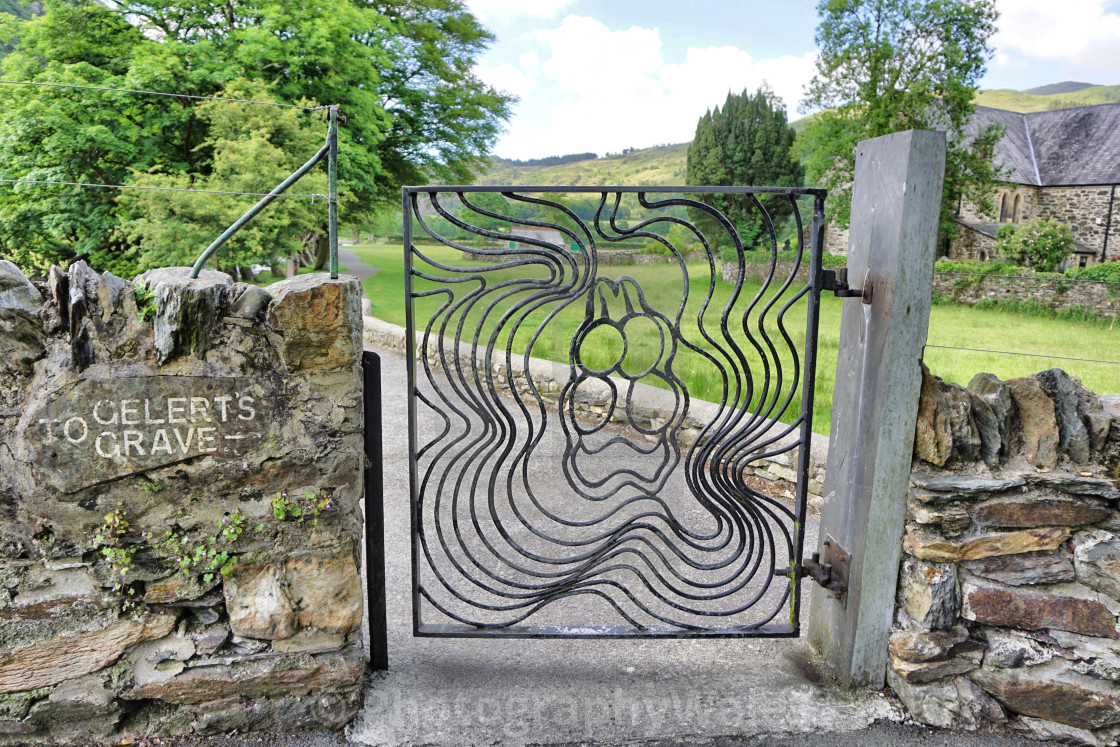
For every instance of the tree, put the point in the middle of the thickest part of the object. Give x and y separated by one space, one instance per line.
892 65
747 143
1041 244
400 70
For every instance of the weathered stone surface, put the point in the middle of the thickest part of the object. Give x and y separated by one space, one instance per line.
994 412
927 544
73 655
1053 693
97 429
187 310
933 439
1096 559
928 593
109 291
271 676
1073 436
1024 569
1009 648
320 319
162 659
258 602
928 671
1043 729
1067 607
926 645
249 301
208 640
310 641
1038 420
21 332
936 704
83 706
326 589
1077 484
976 706
945 425
176 587
955 487
952 518
1034 509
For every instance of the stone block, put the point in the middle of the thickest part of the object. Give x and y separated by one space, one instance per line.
71 655
1061 733
1073 436
949 487
994 412
952 518
1024 569
258 602
1067 607
936 704
930 671
1052 692
271 676
319 319
1034 509
945 425
1096 560
1009 648
22 338
927 544
326 590
1038 420
927 593
926 645
188 311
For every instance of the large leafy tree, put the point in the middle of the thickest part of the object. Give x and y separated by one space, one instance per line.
400 70
747 143
892 65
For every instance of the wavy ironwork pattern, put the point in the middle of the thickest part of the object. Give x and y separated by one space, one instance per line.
599 495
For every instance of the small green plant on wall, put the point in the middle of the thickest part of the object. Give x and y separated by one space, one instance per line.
119 556
308 508
211 554
145 300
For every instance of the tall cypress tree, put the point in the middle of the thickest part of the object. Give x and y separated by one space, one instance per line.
747 143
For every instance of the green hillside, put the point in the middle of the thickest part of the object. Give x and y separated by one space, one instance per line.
1021 101
655 166
665 164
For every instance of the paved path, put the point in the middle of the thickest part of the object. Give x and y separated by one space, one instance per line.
456 691
354 264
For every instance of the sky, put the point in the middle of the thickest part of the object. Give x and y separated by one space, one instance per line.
603 75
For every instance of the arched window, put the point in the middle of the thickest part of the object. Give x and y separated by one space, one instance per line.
1015 211
1004 212
983 256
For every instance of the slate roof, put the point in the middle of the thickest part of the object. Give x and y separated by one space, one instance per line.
1064 147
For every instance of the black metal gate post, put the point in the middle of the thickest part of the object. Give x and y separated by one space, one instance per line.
374 513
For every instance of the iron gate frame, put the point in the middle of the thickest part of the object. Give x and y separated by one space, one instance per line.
797 571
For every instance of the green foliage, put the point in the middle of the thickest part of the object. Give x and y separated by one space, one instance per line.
110 539
211 554
400 70
308 508
1106 271
747 143
1039 244
145 307
892 65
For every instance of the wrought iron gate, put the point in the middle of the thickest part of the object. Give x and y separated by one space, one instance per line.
607 492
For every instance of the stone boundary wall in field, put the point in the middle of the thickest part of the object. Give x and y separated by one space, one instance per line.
758 271
607 257
1009 586
649 405
1100 298
155 446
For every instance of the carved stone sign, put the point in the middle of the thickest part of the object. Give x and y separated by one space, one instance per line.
101 429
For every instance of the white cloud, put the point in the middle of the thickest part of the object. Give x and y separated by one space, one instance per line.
507 78
1081 32
504 11
604 90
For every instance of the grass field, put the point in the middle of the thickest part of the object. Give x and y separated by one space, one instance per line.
949 325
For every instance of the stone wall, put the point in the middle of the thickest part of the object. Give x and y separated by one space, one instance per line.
1009 587
156 446
971 244
606 257
649 406
1102 299
758 271
835 240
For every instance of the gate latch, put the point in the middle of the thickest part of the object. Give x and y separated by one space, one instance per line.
837 282
831 570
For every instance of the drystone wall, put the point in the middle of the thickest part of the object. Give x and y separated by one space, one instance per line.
1102 299
649 406
758 271
605 257
1009 587
180 482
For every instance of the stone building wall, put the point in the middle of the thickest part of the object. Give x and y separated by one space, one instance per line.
835 240
648 406
1102 299
1009 586
155 446
972 244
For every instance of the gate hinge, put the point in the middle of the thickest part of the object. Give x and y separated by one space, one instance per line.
831 570
837 282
